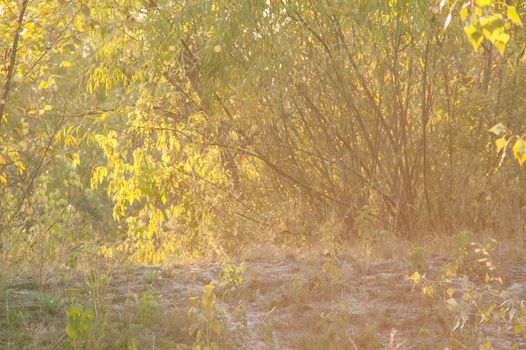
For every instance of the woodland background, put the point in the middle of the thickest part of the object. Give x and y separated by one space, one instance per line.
189 127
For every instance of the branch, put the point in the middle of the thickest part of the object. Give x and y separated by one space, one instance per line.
14 49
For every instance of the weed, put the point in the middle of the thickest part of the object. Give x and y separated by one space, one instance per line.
240 317
333 328
417 258
369 338
87 324
331 275
151 276
232 277
147 308
15 319
50 304
207 328
268 335
298 293
470 303
79 325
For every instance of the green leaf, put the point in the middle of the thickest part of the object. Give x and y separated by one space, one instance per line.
498 129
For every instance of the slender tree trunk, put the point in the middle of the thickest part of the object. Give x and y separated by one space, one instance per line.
12 58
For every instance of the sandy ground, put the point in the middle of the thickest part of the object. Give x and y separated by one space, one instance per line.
288 303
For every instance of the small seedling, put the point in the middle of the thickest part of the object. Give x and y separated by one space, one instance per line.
50 304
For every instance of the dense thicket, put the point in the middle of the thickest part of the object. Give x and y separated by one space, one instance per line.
210 123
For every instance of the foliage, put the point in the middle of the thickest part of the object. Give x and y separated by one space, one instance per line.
147 308
417 258
155 130
201 139
472 304
207 328
50 304
79 325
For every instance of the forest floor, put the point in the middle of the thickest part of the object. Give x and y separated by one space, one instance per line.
272 302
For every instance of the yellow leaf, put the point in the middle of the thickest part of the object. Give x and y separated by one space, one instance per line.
474 36
501 42
66 64
76 159
519 151
43 85
483 3
513 16
416 277
501 143
48 107
428 290
3 178
464 14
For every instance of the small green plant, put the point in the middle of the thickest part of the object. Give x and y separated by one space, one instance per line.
268 335
96 285
79 325
231 277
469 292
87 320
298 293
332 275
464 239
147 308
14 318
332 327
417 258
476 259
369 338
50 304
151 276
240 320
207 328
73 261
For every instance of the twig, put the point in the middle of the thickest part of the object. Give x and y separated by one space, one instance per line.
266 316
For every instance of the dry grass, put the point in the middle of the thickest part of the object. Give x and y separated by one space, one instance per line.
303 298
